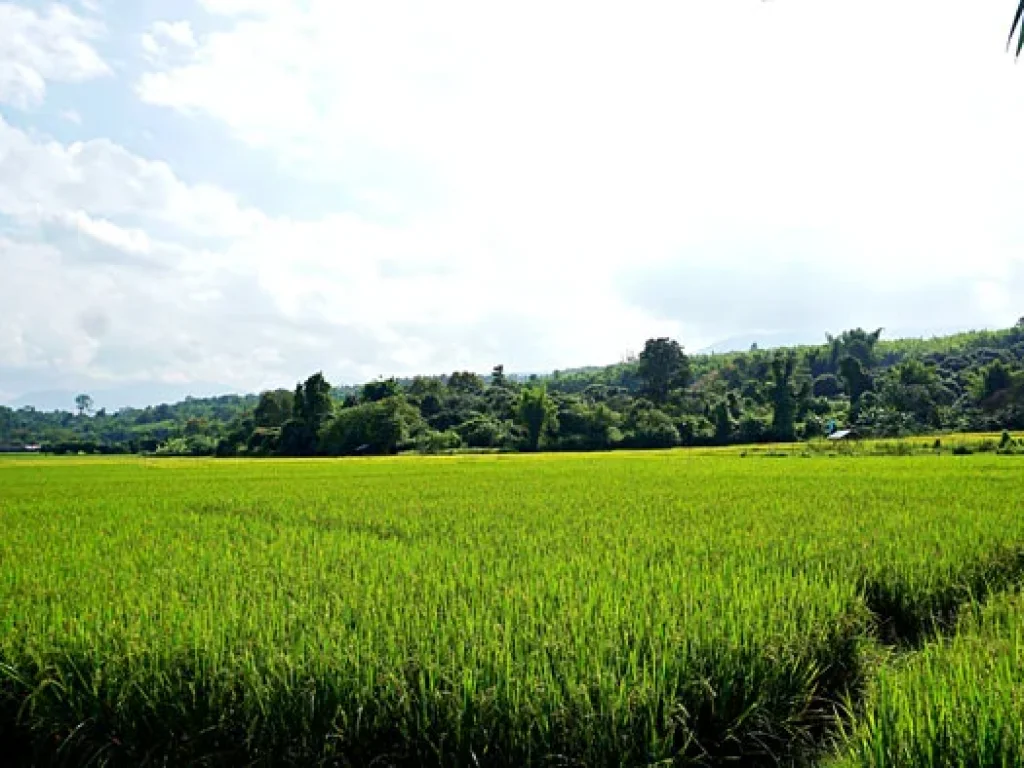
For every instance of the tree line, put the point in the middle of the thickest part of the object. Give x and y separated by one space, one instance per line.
660 398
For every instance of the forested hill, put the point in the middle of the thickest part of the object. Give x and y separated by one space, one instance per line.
965 382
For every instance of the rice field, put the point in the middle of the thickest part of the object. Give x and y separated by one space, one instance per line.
602 609
957 702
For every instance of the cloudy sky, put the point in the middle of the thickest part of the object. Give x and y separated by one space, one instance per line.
235 193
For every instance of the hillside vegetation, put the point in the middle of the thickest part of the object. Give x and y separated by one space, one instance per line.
661 398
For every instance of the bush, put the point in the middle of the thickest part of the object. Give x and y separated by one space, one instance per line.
483 432
812 428
374 428
654 429
827 385
439 442
194 445
752 429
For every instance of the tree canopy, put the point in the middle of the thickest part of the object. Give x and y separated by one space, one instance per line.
661 398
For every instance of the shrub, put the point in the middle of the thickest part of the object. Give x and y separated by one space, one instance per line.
439 442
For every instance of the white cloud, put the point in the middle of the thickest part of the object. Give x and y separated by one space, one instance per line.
35 48
167 38
177 32
99 177
550 185
631 136
269 299
246 7
131 241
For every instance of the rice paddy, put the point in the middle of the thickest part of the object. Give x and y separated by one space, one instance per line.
603 609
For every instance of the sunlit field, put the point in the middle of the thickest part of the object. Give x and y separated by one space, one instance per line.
598 609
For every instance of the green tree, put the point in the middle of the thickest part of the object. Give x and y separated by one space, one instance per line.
498 378
827 385
380 427
6 424
83 403
465 382
421 386
653 428
724 425
483 431
536 412
380 389
785 399
913 388
299 402
274 408
991 380
297 438
663 366
856 343
856 380
311 408
315 405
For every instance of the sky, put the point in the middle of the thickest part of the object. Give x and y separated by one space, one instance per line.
228 195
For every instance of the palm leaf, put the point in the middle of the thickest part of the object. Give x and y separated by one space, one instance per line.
1018 29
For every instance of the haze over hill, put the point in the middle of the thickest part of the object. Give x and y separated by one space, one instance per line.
124 396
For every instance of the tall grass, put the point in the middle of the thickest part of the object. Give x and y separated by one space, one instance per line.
958 702
601 609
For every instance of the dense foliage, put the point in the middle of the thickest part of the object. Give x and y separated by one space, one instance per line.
662 398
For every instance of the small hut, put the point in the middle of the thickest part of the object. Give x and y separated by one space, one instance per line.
842 434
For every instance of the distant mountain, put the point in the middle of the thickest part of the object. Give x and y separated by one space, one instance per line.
136 395
767 340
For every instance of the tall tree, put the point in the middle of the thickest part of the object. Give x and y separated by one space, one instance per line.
311 407
273 408
784 398
84 404
536 411
723 422
663 366
860 344
316 404
857 381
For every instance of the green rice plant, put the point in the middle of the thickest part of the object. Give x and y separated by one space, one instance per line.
957 702
501 610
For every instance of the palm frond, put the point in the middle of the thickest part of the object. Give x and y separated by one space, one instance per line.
1017 29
